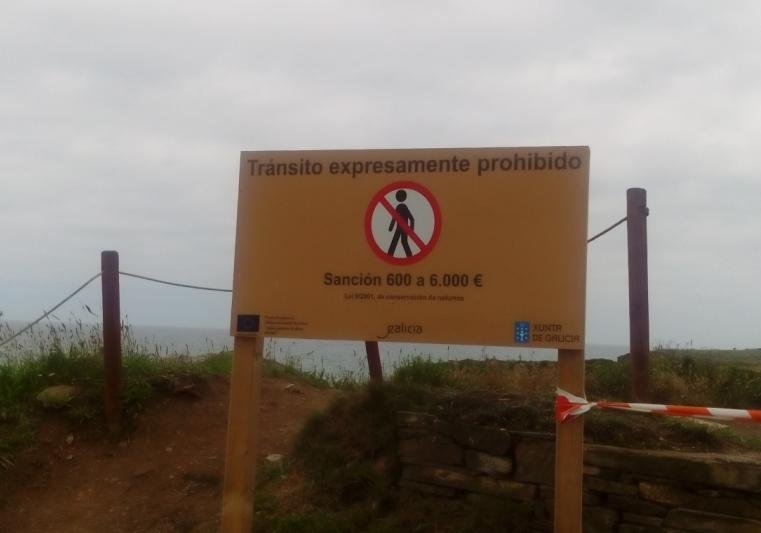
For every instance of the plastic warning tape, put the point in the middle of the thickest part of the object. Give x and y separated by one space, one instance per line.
569 406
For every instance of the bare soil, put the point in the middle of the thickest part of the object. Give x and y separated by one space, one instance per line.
165 476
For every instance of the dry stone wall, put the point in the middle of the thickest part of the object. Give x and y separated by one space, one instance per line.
625 491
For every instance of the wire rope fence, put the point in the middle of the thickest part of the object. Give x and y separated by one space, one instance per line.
636 211
79 289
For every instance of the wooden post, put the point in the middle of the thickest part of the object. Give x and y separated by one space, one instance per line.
242 433
373 362
569 447
112 339
639 320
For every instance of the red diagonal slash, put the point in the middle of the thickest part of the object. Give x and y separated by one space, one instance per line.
403 224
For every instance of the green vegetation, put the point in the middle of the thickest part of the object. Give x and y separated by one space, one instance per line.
519 394
22 379
715 378
293 367
71 354
343 474
347 457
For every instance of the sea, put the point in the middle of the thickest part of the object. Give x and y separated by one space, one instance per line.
331 358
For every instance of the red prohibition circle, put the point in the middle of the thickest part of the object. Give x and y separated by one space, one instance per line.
376 200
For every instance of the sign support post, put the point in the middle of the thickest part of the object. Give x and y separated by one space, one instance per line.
242 435
373 362
569 447
412 252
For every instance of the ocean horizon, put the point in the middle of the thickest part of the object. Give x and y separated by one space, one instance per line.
333 357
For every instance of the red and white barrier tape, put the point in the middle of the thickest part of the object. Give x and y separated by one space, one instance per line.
569 406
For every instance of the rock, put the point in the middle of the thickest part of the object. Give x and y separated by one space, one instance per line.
291 387
427 489
430 449
636 506
459 478
504 488
70 440
665 494
452 477
592 470
275 458
185 386
495 441
724 471
488 464
443 427
610 487
641 520
410 419
535 461
700 521
638 528
598 520
678 497
57 396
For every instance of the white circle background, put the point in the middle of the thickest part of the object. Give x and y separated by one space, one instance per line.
421 211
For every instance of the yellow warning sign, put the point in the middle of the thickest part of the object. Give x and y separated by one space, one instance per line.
466 246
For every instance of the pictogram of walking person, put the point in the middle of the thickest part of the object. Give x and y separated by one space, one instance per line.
404 212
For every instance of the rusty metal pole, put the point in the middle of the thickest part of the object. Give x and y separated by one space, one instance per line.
373 362
639 318
112 339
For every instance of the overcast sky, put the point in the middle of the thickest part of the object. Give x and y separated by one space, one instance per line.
121 126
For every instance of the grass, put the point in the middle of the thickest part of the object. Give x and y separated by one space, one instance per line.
345 469
709 378
292 367
71 354
519 395
343 472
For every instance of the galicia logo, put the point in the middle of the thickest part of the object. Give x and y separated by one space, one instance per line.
522 331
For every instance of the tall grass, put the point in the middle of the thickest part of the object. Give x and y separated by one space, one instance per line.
71 353
676 377
57 353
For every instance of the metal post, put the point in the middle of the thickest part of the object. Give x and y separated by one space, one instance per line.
112 339
639 319
373 362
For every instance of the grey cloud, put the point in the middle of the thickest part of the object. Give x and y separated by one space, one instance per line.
122 127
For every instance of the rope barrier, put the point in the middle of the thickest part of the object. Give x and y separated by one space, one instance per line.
184 285
44 316
174 284
607 230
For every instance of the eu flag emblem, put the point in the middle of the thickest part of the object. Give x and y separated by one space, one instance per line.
522 331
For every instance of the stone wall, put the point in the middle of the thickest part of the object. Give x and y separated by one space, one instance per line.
625 491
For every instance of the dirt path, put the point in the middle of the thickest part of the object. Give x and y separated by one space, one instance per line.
166 477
